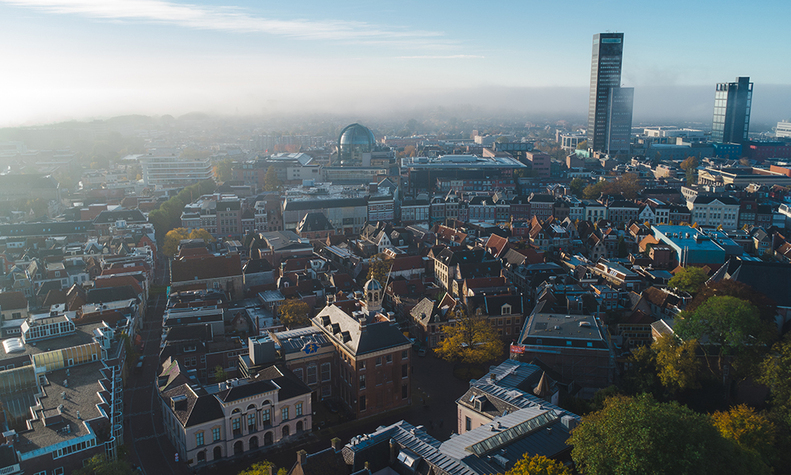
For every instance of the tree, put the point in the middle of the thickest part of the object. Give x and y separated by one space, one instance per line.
538 465
379 267
594 191
776 374
677 364
750 430
690 167
689 279
271 181
623 251
220 374
294 313
175 236
577 186
582 145
101 465
767 308
259 468
223 171
641 372
471 339
728 324
638 435
172 240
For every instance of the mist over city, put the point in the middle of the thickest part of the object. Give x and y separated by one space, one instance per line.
395 238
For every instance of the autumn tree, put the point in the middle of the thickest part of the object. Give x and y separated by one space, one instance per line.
258 468
223 170
379 267
294 313
537 465
677 364
175 236
582 145
690 167
727 324
767 308
220 374
271 181
638 435
689 279
471 339
749 429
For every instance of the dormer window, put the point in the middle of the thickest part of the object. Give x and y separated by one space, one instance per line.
505 310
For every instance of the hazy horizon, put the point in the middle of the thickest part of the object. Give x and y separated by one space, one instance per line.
84 59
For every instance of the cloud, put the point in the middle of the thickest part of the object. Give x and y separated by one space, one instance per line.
233 19
452 56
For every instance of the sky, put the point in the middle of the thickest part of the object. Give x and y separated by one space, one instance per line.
80 59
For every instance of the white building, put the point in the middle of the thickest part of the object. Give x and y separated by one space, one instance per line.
164 171
715 211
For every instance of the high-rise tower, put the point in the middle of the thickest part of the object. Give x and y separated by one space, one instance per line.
610 105
732 102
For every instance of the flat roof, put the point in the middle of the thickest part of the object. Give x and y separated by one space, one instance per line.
82 335
685 237
80 391
461 161
560 325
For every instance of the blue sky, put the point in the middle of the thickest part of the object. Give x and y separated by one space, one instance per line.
88 58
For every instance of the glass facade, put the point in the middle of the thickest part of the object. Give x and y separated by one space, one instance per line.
732 104
606 104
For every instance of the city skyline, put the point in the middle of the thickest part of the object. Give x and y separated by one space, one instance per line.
77 59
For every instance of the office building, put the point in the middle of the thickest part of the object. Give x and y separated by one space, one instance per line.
610 106
732 102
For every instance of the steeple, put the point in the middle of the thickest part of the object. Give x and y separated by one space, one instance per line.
373 295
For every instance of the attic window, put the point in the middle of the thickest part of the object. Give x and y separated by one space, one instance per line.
505 310
346 337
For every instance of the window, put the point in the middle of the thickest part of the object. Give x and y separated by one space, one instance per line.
284 413
362 364
266 416
58 471
378 361
388 359
404 354
251 422
236 425
467 423
326 391
199 438
404 391
298 374
362 381
362 403
312 375
215 434
325 371
404 370
298 409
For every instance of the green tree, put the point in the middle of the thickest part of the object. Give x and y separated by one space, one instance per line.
577 186
749 429
767 308
294 313
594 191
638 435
271 181
776 374
677 364
223 170
101 465
538 465
640 375
690 279
220 374
471 339
727 324
379 267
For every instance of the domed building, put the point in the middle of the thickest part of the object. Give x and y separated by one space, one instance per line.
357 147
355 144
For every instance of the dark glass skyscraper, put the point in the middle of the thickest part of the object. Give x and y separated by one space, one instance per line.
609 106
732 102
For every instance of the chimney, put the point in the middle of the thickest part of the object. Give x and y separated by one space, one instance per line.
336 444
302 457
